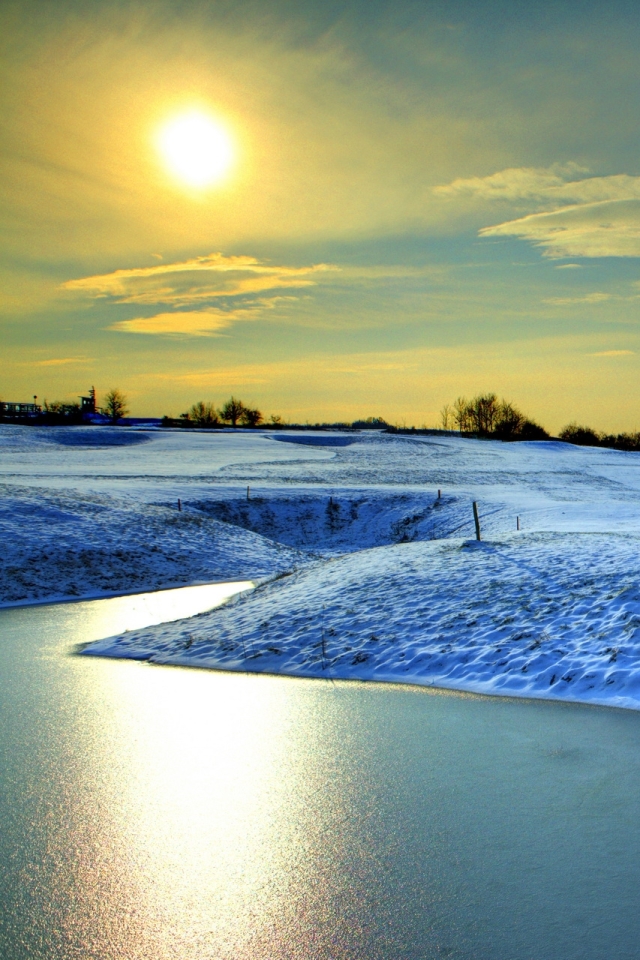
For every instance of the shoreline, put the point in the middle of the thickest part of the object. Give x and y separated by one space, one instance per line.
239 667
390 680
90 598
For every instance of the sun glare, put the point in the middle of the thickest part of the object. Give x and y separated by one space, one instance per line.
196 149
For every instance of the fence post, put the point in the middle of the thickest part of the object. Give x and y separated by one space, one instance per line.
248 493
476 520
517 523
179 504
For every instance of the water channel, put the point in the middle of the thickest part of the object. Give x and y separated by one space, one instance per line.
177 814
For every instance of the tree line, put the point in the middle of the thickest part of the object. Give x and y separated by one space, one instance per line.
483 416
233 413
486 416
587 437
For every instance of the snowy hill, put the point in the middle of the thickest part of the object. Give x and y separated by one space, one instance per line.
386 579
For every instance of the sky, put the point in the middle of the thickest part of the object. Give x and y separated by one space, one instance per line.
420 200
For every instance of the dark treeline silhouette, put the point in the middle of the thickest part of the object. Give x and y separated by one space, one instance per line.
233 413
486 416
483 416
586 437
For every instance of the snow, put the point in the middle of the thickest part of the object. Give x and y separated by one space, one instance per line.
60 545
362 572
543 616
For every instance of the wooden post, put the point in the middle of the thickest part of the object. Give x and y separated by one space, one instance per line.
439 494
248 493
476 520
179 504
517 523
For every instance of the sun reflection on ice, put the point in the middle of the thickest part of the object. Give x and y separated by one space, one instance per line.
208 798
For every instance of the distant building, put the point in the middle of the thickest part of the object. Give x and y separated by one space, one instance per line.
88 404
89 410
19 411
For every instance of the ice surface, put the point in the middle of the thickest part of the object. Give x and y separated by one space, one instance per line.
385 579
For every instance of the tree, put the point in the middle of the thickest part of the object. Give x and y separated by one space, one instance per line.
508 422
447 417
203 414
483 411
250 417
115 405
486 416
232 411
461 414
584 436
530 430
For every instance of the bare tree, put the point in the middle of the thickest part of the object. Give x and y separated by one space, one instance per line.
486 416
461 414
483 411
203 414
250 417
232 411
447 417
115 405
509 421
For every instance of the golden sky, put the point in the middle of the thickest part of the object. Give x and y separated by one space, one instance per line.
417 201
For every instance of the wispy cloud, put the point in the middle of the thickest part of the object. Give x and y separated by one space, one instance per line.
61 361
195 280
560 183
612 353
607 229
514 183
192 323
596 297
206 293
575 215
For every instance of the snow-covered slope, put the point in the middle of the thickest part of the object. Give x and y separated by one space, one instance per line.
386 580
545 615
65 544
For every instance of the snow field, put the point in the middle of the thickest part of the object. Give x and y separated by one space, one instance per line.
542 615
362 571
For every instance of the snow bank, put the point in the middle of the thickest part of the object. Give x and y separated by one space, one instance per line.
58 545
539 615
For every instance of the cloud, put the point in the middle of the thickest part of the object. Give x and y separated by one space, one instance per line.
595 297
546 185
612 353
514 183
196 280
194 323
207 293
607 229
575 216
61 361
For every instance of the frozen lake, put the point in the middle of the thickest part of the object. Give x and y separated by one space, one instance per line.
159 812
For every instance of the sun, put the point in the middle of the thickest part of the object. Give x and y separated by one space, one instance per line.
196 149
